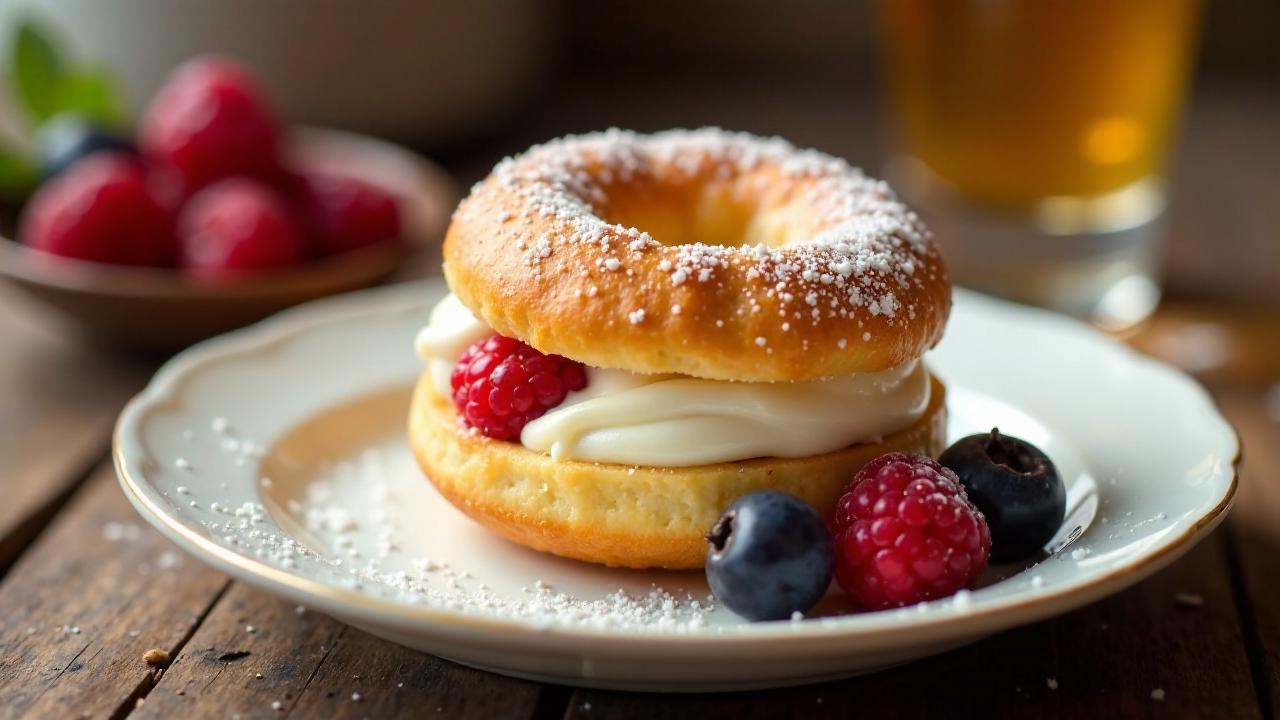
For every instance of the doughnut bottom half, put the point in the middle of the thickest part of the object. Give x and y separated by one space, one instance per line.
619 515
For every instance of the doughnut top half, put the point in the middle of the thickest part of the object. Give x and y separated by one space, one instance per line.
699 252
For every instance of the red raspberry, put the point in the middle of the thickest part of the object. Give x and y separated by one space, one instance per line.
500 384
100 209
208 122
906 532
343 213
236 226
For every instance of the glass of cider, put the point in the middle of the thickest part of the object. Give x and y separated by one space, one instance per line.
1034 136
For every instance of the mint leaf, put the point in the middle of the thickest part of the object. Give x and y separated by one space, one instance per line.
17 175
36 71
92 94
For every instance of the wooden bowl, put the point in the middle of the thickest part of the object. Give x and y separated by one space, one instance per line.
160 310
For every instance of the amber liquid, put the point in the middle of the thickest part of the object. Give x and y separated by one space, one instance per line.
1009 102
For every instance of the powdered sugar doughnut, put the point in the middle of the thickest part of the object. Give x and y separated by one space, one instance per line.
705 253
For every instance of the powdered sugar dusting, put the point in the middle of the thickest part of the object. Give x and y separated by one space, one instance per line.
858 255
351 528
438 584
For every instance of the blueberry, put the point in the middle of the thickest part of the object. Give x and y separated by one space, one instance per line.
65 139
1016 487
768 556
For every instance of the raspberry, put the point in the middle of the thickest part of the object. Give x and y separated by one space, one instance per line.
906 532
343 213
100 209
500 384
235 226
208 122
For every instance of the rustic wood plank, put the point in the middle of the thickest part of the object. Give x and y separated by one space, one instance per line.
87 601
1105 660
303 664
59 402
1223 346
237 672
363 677
1254 532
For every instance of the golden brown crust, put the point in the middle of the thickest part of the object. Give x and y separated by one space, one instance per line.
615 514
844 278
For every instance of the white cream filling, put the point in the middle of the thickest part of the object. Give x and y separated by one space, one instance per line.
674 420
451 329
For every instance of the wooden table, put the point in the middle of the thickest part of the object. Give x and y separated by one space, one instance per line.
86 589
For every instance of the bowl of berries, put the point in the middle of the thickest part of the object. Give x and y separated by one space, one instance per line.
213 214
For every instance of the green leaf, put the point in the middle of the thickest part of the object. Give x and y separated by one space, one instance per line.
17 175
36 71
92 94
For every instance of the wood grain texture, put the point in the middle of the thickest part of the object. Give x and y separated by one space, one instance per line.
87 601
58 401
1229 348
374 669
305 665
1255 532
227 670
1105 659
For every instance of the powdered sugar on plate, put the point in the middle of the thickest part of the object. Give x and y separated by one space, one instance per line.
358 522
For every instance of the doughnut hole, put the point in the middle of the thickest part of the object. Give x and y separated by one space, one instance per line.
747 210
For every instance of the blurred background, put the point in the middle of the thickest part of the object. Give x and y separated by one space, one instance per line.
1094 156
901 89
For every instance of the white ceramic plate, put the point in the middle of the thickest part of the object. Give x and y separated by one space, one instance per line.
276 454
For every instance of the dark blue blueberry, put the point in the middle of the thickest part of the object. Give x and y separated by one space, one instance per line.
768 556
1016 487
65 139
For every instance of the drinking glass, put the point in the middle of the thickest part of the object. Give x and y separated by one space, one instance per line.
1033 136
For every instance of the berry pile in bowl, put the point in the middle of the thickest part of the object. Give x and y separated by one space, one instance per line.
213 214
908 529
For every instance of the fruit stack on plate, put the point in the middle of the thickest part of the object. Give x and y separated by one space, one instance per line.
907 529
